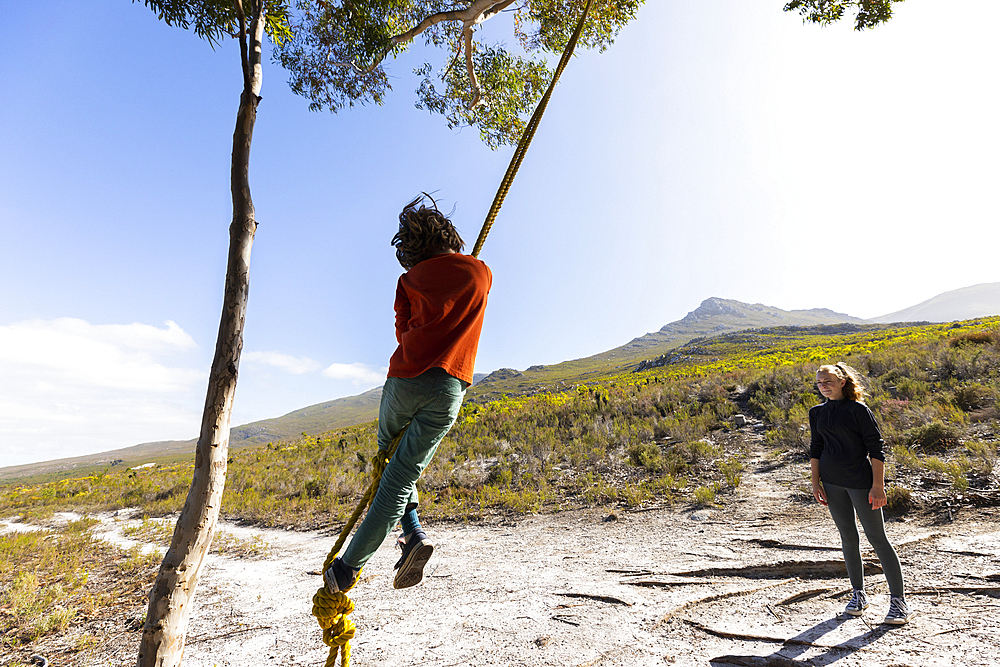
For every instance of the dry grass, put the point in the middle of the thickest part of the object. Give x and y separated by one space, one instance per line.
160 532
57 581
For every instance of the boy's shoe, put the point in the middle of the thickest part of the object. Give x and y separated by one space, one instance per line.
858 604
899 612
410 566
339 577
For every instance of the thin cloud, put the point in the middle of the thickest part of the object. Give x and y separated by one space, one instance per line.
72 353
70 387
358 373
285 362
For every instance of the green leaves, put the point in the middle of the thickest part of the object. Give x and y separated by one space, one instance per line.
326 56
548 24
510 87
870 12
338 47
213 20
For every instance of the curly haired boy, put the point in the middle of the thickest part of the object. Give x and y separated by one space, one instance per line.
440 302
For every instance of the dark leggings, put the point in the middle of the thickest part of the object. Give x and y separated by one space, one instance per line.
844 504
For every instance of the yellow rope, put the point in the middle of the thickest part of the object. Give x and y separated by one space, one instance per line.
331 609
529 133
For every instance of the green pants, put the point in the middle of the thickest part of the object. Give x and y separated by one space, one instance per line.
429 404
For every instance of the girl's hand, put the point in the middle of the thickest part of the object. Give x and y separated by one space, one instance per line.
818 493
877 497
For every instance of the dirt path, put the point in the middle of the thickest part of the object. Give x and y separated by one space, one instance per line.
760 582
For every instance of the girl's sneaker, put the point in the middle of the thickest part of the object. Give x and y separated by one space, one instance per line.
899 612
410 566
858 604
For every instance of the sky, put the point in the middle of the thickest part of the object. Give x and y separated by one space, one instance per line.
719 148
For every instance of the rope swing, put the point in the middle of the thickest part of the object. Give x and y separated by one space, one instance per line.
332 609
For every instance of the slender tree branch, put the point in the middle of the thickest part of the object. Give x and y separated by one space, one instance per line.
458 54
474 14
477 96
244 58
255 69
496 9
467 28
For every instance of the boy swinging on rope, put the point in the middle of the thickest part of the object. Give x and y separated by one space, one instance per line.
440 302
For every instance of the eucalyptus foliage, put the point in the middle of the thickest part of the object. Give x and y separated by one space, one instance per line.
870 13
214 20
338 50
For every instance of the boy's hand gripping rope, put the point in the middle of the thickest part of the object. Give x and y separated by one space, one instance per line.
331 609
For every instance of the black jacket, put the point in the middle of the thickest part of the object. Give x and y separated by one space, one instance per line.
844 438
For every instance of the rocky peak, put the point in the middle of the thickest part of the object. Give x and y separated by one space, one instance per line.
713 307
501 374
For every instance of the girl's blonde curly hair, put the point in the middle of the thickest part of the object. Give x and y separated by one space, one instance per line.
424 232
854 389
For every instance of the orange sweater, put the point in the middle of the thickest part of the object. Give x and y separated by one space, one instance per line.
440 304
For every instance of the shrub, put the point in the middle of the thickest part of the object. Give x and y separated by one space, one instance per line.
238 547
954 470
704 496
973 338
973 396
635 496
774 395
958 475
905 456
892 413
935 437
984 457
315 488
665 487
646 455
500 475
137 559
57 621
732 470
556 449
911 389
700 450
48 577
789 438
899 500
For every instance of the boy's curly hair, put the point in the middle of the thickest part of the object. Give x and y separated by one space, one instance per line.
854 389
424 232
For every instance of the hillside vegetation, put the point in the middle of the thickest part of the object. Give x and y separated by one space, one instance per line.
667 434
712 317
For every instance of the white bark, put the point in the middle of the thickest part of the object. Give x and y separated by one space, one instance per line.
162 643
477 95
476 13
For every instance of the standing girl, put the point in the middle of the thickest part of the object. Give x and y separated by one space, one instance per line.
848 476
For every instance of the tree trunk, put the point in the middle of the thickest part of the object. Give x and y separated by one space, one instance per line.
162 643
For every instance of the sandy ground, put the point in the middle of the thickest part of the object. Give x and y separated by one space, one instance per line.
759 582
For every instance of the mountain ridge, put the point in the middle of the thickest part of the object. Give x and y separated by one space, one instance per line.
965 303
